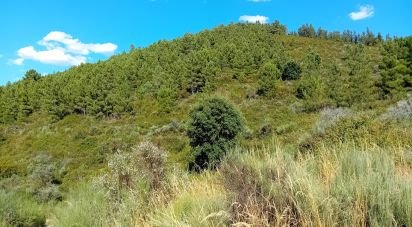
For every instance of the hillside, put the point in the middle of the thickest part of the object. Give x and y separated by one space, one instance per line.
302 99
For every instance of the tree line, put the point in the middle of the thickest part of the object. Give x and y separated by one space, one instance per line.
367 37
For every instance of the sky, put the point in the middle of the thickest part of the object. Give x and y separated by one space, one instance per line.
51 36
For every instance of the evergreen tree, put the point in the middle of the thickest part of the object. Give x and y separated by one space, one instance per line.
307 30
213 127
202 71
396 68
311 87
32 75
360 80
291 71
337 85
269 76
278 29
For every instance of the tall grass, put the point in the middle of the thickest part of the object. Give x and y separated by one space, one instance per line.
19 209
347 184
195 201
138 190
184 201
84 206
344 185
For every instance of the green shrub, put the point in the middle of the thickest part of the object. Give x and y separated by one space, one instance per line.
3 137
335 127
265 131
214 125
291 71
312 91
311 87
269 75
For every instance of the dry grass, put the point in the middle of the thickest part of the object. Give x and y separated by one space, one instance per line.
345 185
196 201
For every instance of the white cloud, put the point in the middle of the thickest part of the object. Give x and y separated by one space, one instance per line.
364 12
254 19
62 49
74 46
18 61
56 56
259 0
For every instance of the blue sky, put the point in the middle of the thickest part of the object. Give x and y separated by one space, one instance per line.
51 36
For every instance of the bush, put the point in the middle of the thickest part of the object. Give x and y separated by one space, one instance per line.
265 131
43 180
402 110
268 77
329 117
151 161
213 126
2 137
291 71
312 91
132 182
145 163
310 88
129 170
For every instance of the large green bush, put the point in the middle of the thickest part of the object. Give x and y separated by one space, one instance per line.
214 124
291 71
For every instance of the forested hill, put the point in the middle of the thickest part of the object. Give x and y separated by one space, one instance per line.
308 128
340 69
279 82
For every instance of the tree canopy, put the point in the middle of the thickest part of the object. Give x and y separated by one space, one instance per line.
214 124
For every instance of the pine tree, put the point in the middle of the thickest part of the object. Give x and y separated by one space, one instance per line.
269 76
337 85
311 87
395 69
361 83
202 71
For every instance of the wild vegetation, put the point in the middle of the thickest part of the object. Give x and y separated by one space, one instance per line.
241 125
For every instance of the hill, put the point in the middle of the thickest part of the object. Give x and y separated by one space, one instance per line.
299 94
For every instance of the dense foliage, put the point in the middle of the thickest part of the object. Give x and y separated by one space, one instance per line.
213 127
291 71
